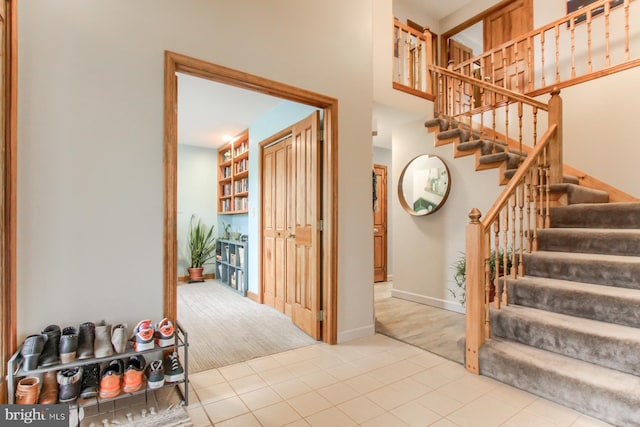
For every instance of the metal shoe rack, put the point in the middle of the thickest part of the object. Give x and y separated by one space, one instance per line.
15 371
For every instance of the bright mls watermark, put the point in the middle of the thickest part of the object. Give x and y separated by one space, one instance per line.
34 415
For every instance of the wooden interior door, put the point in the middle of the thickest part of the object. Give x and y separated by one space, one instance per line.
380 225
275 193
307 299
510 65
458 52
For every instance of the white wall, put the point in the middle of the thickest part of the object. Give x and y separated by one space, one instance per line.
425 247
90 108
197 195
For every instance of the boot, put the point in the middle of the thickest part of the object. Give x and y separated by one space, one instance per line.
49 392
102 345
90 381
27 391
49 356
31 350
86 336
69 381
68 344
119 338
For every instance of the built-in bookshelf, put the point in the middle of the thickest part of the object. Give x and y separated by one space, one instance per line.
231 264
233 176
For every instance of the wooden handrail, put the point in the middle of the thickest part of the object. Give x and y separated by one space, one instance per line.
409 30
532 157
515 96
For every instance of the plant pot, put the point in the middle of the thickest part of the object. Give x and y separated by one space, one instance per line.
195 274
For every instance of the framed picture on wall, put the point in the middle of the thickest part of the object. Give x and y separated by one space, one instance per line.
573 5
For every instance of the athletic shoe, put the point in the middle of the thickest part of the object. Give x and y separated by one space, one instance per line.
111 379
90 381
155 374
173 371
132 380
164 333
143 336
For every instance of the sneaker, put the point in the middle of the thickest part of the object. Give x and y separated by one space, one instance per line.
111 379
164 333
143 336
173 371
133 369
155 374
90 381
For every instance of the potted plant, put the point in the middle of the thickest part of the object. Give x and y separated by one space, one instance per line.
202 248
460 274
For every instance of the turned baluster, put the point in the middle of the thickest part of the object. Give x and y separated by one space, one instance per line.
607 8
519 130
521 202
542 57
626 30
572 30
496 251
589 53
501 255
557 53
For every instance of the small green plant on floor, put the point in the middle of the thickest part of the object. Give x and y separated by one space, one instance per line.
460 273
202 243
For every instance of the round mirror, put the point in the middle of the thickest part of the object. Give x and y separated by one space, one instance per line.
424 185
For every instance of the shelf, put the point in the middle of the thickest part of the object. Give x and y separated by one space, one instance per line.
231 264
231 183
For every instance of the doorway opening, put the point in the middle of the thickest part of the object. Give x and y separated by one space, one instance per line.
177 63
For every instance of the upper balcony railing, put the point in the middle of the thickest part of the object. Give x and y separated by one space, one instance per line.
413 53
599 39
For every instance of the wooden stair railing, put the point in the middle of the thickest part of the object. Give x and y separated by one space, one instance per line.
589 43
412 56
486 112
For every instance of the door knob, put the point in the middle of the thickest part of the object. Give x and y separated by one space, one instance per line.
375 230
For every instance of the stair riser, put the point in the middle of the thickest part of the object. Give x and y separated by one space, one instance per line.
610 352
623 215
610 309
609 273
556 241
607 405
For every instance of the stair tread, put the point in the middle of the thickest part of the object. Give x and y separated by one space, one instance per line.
614 232
579 370
577 256
592 327
590 288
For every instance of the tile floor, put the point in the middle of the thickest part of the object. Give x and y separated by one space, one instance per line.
375 381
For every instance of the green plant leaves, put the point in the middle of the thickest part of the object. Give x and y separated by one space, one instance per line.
202 243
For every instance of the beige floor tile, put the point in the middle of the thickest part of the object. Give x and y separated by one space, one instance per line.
361 409
225 409
309 403
511 396
319 379
327 360
301 369
439 403
236 371
276 375
560 414
287 358
389 397
396 372
444 423
215 393
585 421
260 398
206 378
426 359
466 389
245 420
299 423
416 415
411 388
338 393
482 412
374 361
199 416
332 417
345 371
263 363
385 420
530 419
363 384
277 415
247 384
291 388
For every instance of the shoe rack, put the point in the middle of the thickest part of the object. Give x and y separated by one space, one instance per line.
15 371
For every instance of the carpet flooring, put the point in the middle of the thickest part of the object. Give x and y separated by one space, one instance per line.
430 328
226 328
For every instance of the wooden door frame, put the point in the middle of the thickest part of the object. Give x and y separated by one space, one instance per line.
444 38
174 63
8 267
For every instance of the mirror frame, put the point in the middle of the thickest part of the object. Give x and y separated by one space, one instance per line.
407 207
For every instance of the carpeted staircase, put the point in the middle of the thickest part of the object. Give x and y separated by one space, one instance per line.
571 331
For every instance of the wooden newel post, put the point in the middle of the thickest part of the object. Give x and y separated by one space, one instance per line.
475 318
555 145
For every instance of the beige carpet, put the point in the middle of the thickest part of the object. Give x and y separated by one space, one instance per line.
226 328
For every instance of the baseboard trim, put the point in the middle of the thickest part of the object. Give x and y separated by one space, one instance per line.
433 302
253 296
357 333
206 277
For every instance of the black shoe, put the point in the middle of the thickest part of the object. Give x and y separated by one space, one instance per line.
86 336
31 350
49 356
90 381
68 344
69 382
